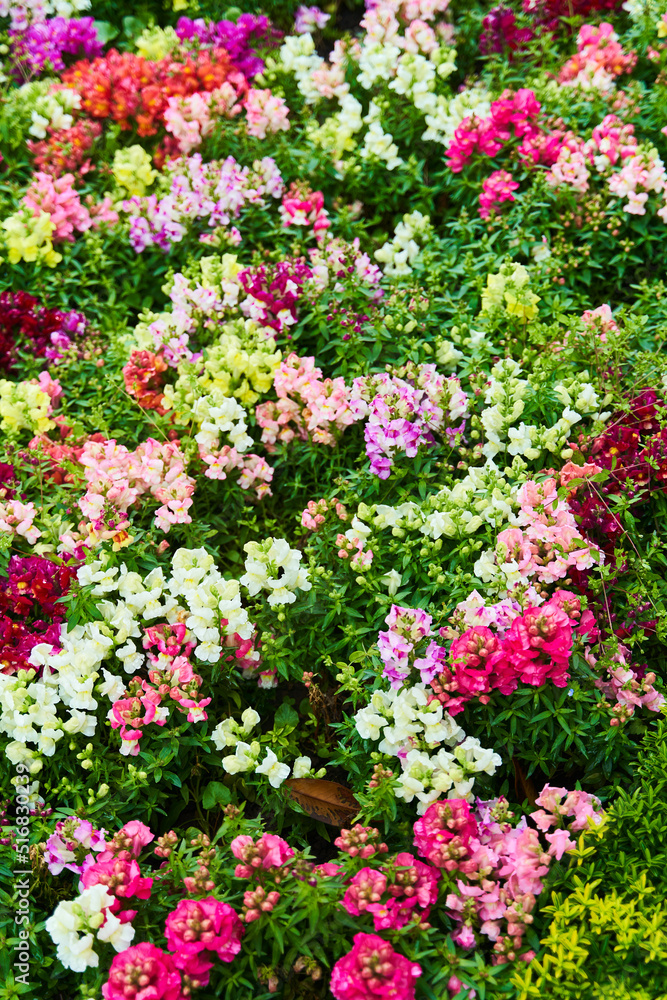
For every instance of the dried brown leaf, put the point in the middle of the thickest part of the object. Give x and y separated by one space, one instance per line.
326 801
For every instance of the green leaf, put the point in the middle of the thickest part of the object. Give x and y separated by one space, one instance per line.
286 718
132 26
106 32
216 794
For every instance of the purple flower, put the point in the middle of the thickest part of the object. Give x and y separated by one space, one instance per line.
49 41
309 19
499 32
69 846
235 37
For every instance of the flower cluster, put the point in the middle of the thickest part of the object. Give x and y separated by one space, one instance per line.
30 612
599 59
196 598
27 325
373 968
117 476
413 727
214 192
499 867
273 566
309 407
238 38
46 42
302 207
404 410
545 543
529 646
135 92
58 199
28 404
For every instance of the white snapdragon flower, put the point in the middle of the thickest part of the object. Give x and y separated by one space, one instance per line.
190 558
130 657
369 724
229 732
297 55
209 650
392 581
122 619
225 734
115 933
302 767
129 583
112 687
401 717
392 517
79 722
76 923
275 771
377 61
244 758
521 441
218 414
447 355
398 255
39 125
250 718
18 753
272 565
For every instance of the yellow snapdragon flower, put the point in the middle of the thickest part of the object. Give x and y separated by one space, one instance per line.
132 170
28 237
156 43
23 405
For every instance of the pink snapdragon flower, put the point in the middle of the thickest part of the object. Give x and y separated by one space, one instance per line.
303 207
443 834
307 20
361 841
513 113
191 117
265 112
71 844
122 476
599 59
57 197
404 411
121 877
366 887
309 406
414 880
570 168
269 851
17 518
612 140
373 969
143 972
496 189
203 928
130 839
561 808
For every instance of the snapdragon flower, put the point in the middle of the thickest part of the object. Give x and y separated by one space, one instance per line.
229 732
77 925
273 566
274 770
398 255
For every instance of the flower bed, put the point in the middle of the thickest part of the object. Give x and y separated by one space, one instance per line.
333 475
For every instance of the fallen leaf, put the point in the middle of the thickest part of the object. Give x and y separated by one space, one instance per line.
326 801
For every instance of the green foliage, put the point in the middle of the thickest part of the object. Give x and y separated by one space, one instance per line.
607 931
